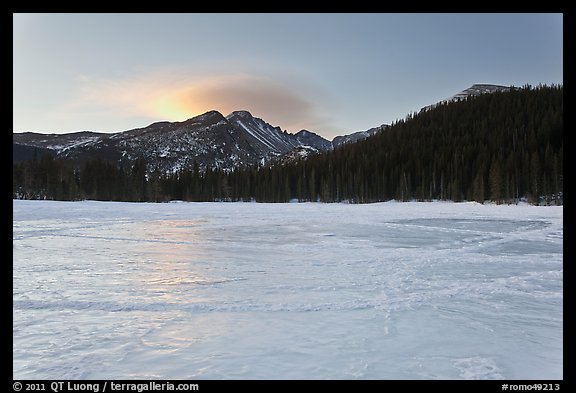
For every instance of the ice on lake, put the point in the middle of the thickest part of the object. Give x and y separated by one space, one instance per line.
440 290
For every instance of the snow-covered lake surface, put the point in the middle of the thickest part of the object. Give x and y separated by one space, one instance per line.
106 290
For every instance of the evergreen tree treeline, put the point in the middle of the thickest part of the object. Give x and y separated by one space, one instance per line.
503 147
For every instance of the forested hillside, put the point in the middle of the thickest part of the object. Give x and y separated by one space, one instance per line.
503 147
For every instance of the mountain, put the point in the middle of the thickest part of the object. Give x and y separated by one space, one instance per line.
478 89
356 136
26 144
210 140
308 138
472 91
264 138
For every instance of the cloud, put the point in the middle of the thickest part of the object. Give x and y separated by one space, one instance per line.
178 95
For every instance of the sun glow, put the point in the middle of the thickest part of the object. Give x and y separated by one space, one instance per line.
187 98
178 96
174 108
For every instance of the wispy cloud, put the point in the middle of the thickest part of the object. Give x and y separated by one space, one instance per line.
178 95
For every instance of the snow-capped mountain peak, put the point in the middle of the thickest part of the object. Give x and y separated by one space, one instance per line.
477 89
474 90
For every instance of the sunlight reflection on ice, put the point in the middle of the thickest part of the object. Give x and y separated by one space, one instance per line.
323 291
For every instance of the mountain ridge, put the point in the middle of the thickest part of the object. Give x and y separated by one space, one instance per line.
209 139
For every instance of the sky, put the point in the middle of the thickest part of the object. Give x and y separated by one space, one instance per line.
332 73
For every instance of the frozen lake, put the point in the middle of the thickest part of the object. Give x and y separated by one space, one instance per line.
440 290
